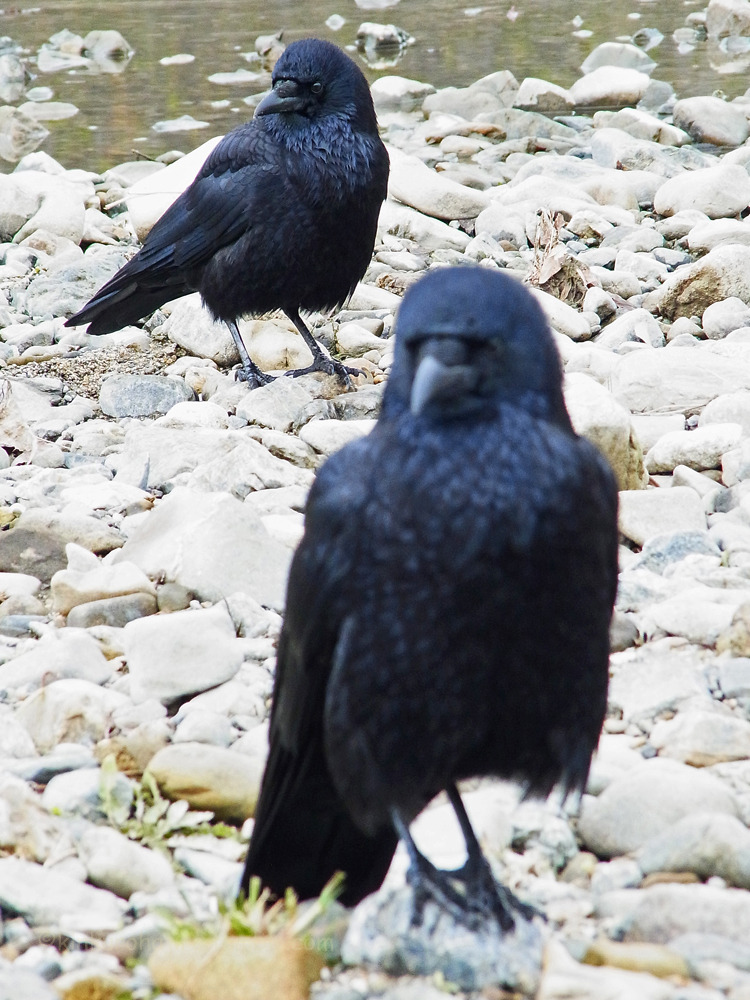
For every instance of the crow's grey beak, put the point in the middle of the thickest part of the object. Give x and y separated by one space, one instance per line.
283 99
434 381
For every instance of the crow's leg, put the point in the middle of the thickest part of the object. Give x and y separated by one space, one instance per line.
249 372
483 893
429 882
321 361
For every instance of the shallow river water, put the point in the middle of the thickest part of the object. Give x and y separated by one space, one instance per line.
455 42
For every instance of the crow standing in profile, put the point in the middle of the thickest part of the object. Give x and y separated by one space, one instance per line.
448 607
282 214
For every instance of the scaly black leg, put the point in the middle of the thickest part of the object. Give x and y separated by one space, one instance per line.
484 894
321 361
249 372
427 881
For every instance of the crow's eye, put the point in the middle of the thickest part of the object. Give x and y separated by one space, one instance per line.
316 87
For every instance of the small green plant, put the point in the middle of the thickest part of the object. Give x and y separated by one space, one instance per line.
147 816
257 916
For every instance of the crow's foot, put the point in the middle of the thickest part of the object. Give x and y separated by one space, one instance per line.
329 367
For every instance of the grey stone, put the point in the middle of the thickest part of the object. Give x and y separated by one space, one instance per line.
36 542
637 325
733 407
24 984
704 843
710 119
664 550
327 436
645 801
723 317
46 897
646 513
67 653
77 793
719 191
678 379
276 405
701 448
202 726
170 656
193 539
141 395
68 710
114 611
202 458
663 912
65 289
383 934
116 863
702 738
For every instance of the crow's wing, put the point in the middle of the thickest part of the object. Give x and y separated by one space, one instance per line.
303 833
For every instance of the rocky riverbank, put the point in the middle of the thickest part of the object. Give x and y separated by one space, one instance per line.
151 503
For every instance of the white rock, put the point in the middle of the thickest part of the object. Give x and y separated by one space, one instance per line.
170 656
710 119
646 513
681 378
732 407
651 426
327 436
49 898
562 317
694 615
115 862
193 413
193 538
276 405
68 710
149 198
203 726
83 581
416 185
727 17
642 125
429 233
645 801
597 415
721 318
633 325
543 95
354 340
702 738
397 93
610 85
18 584
717 232
59 654
719 191
701 448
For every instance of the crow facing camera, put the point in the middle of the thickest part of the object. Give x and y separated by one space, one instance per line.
448 607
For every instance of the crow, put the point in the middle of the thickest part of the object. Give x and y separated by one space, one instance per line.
448 607
282 214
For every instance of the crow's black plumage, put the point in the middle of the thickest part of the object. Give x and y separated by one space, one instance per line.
282 215
448 607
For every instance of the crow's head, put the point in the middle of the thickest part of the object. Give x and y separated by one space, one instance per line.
468 338
314 79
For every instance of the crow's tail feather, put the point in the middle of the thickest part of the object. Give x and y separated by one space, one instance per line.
303 833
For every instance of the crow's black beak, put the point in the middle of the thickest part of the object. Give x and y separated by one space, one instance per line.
284 99
436 381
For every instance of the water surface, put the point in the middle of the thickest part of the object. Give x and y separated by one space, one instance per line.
455 43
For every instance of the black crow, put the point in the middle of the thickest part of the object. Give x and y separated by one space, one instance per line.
282 215
448 607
